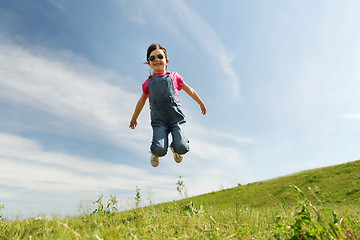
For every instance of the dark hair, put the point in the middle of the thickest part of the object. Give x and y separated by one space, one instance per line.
153 47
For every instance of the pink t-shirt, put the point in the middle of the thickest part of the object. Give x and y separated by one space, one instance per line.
177 81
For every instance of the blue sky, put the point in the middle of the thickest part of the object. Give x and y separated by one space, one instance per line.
280 80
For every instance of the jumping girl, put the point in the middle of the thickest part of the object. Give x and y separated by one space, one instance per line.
166 116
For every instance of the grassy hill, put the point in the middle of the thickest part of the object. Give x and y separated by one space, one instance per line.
324 205
334 184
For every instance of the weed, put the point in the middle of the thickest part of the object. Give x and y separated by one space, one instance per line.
352 191
137 197
1 207
168 209
181 187
310 223
107 209
190 209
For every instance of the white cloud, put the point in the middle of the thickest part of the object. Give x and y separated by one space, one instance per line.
26 167
68 87
25 164
136 11
349 116
57 5
207 39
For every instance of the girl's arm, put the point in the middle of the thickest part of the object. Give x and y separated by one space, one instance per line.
139 106
193 94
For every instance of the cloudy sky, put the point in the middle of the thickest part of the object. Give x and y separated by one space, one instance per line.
280 79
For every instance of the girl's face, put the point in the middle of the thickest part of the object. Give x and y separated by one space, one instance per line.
156 63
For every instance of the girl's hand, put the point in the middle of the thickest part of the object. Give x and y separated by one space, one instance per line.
133 124
139 106
203 108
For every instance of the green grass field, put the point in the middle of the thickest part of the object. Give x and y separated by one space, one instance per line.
316 204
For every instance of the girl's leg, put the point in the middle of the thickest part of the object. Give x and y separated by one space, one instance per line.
160 140
180 142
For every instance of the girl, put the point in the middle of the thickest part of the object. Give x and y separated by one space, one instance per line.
166 116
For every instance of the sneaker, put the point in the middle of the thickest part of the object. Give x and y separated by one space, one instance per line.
155 161
177 157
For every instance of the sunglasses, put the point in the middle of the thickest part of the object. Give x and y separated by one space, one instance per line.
159 56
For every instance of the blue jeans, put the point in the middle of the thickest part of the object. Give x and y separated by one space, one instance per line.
166 117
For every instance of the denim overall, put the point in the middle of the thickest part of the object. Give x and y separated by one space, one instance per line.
166 117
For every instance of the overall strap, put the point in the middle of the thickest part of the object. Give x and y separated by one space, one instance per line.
151 76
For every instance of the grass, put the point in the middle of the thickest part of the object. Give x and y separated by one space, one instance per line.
317 204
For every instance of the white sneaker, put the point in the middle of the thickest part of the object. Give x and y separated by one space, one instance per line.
155 161
177 157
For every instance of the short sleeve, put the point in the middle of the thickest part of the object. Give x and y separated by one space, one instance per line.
177 80
145 87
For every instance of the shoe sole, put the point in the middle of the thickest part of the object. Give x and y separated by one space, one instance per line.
178 158
155 161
